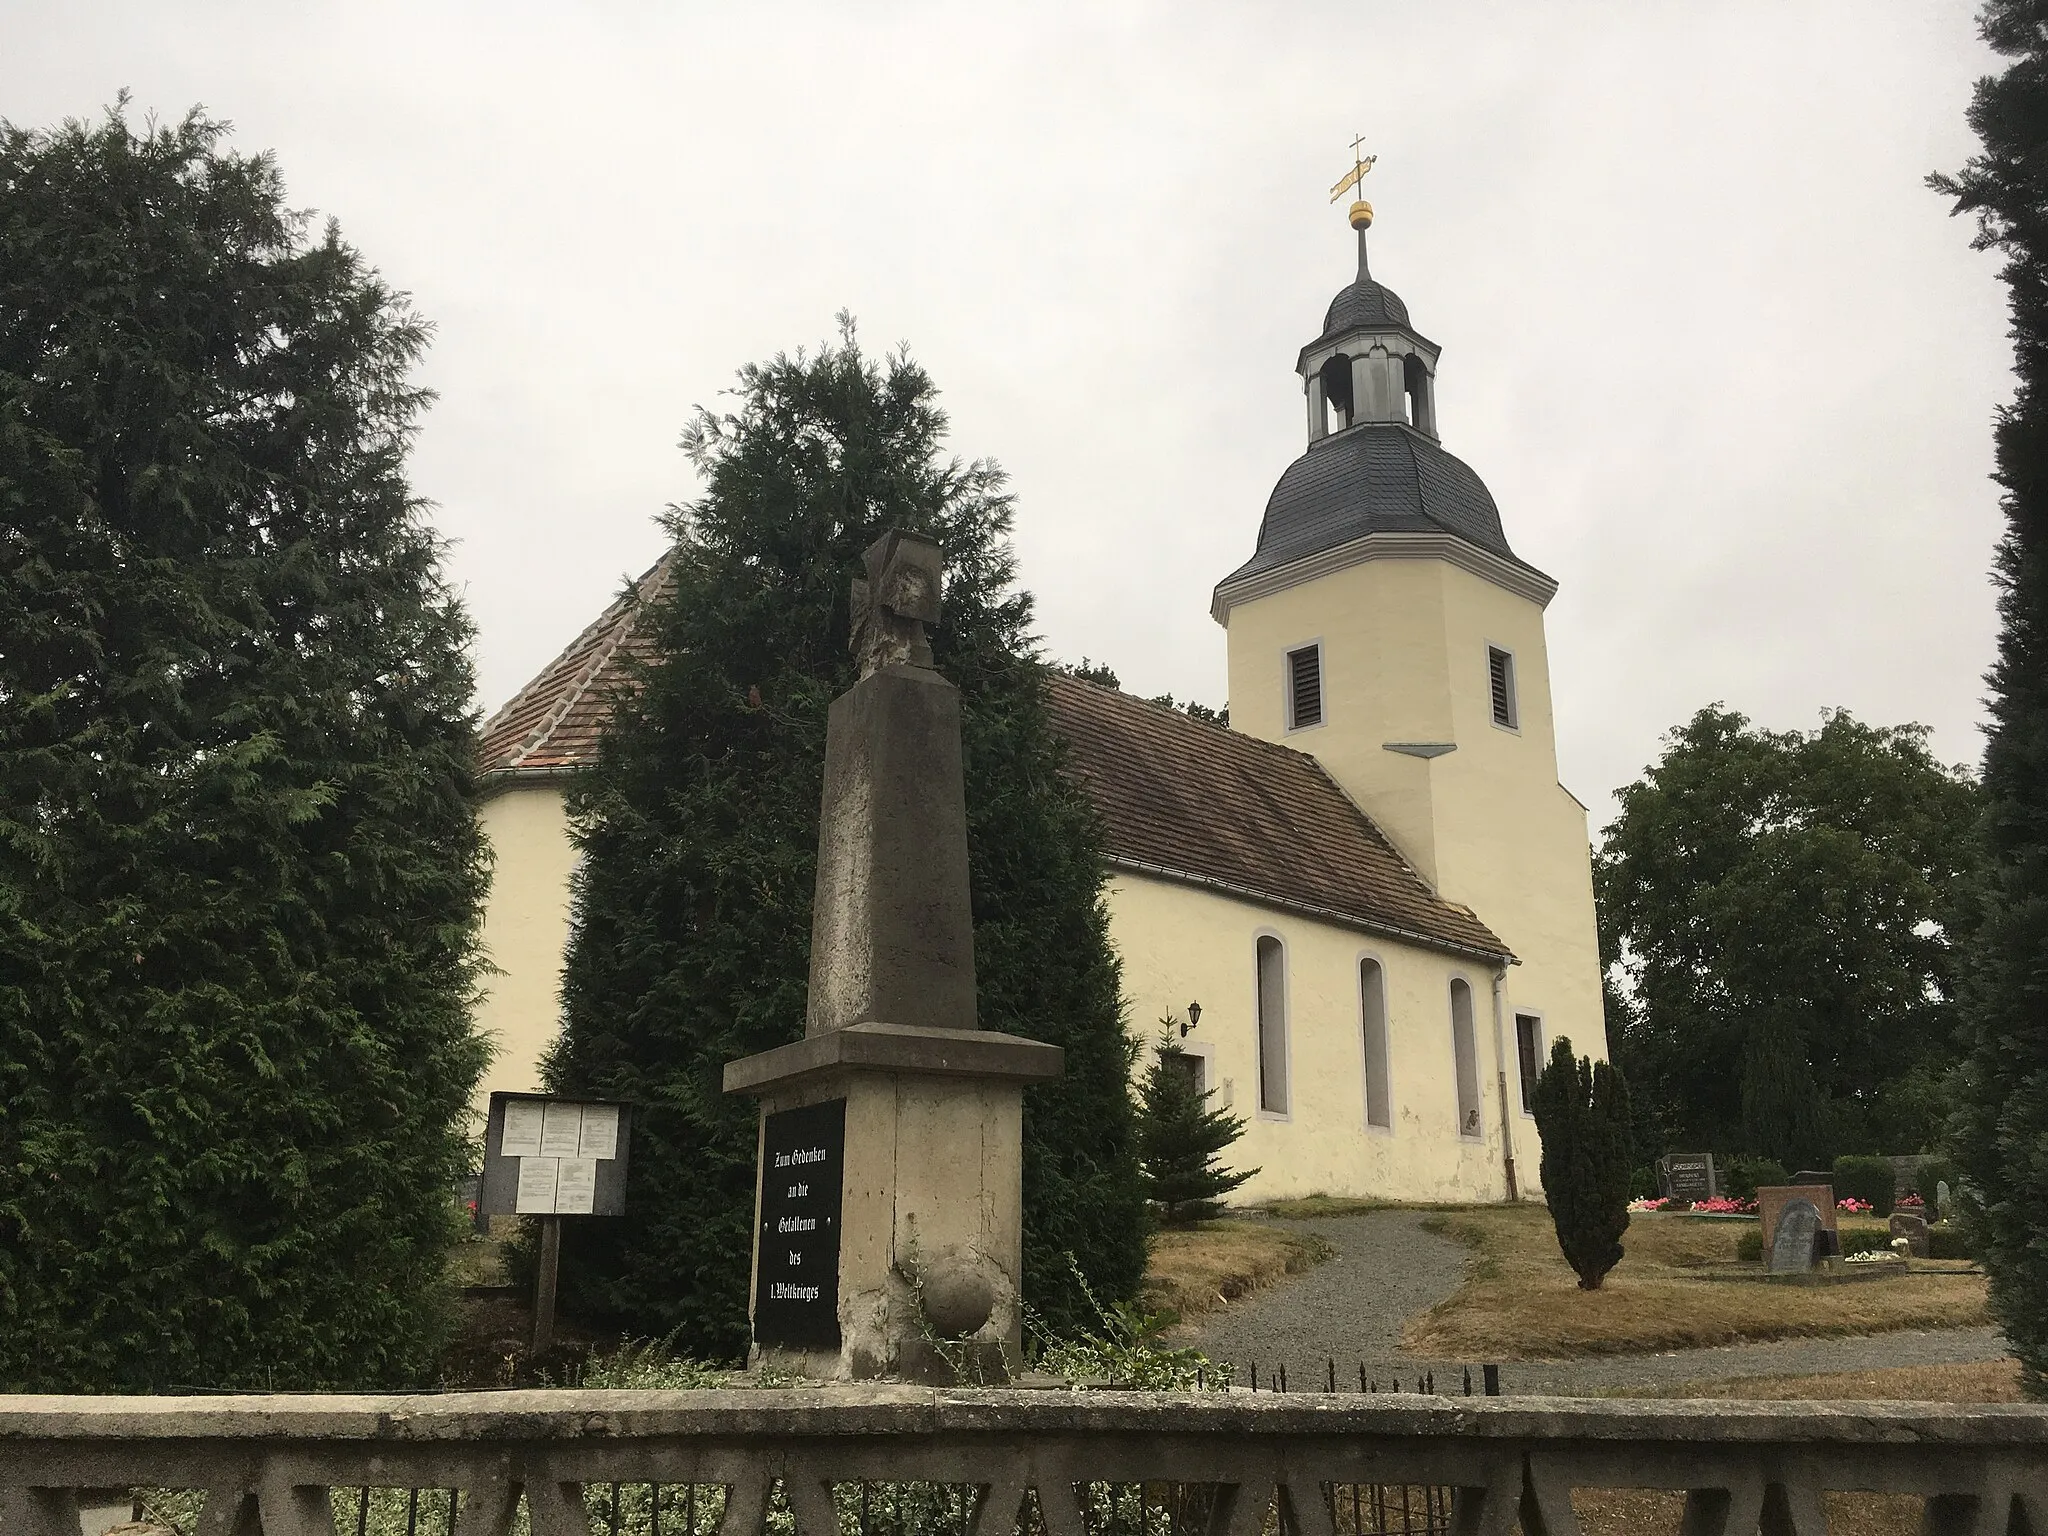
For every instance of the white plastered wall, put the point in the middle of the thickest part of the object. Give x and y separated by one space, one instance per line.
1182 944
526 931
1405 661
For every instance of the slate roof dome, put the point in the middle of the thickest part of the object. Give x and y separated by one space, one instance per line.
1373 478
1364 303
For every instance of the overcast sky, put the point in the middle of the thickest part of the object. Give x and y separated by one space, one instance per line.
1727 367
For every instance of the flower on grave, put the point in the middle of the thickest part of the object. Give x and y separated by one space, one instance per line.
1874 1256
1851 1204
1724 1205
1913 1202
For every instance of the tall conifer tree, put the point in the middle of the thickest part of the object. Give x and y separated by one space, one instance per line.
2003 1125
240 867
1582 1115
699 826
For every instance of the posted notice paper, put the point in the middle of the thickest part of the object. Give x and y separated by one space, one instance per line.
537 1178
600 1131
521 1134
576 1186
561 1131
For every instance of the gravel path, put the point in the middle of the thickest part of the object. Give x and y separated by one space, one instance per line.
1387 1268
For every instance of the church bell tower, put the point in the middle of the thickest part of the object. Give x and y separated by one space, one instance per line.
1384 626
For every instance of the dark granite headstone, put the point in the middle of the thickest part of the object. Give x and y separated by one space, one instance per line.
1792 1245
1912 1226
1689 1175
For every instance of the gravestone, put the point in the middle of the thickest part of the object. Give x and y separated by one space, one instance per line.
1772 1200
1688 1175
1912 1226
1942 1199
888 1235
1791 1249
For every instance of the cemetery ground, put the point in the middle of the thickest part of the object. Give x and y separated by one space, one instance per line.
1672 1291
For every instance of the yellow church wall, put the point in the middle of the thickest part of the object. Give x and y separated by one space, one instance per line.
526 931
1182 944
1404 646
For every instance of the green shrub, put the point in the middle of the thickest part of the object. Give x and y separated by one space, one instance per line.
1946 1240
1865 1178
1863 1240
1743 1174
1750 1246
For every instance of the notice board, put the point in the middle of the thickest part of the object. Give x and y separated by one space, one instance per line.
796 1284
554 1157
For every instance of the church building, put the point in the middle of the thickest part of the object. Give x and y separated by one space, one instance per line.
1368 898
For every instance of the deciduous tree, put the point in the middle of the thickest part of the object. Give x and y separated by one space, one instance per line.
1779 911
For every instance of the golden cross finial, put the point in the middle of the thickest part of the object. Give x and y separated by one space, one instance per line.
1361 211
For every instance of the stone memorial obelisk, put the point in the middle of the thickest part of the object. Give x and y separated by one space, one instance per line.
888 1231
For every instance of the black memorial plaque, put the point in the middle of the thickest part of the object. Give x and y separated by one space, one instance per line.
796 1288
1690 1176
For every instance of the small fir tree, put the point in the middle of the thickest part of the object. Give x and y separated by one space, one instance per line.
1582 1114
240 868
1181 1139
699 828
2002 1125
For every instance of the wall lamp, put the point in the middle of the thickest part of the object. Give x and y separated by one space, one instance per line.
1194 1018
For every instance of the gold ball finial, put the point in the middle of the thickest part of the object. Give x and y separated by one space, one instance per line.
1361 215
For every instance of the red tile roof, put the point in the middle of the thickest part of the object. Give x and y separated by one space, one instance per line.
1217 808
1180 800
553 723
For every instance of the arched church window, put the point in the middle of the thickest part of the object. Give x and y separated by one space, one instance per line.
1465 1051
1272 982
1372 1008
1337 403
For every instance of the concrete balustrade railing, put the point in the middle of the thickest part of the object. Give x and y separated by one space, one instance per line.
1268 1462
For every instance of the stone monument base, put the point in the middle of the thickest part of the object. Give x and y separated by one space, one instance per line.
929 1225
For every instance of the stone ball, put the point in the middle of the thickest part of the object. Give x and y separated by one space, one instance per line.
956 1300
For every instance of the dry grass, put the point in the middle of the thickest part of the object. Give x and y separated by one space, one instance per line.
1309 1207
1979 1381
1521 1301
1629 1511
1192 1270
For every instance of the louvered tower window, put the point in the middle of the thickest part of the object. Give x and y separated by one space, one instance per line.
1500 668
1304 687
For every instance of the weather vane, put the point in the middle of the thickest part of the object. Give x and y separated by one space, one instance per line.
1361 211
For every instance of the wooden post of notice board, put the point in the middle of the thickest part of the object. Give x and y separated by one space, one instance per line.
544 1285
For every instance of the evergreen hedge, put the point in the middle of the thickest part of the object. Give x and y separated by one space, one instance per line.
240 869
699 821
2001 1129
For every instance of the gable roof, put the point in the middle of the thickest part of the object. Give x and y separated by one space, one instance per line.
552 725
1180 801
1209 806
